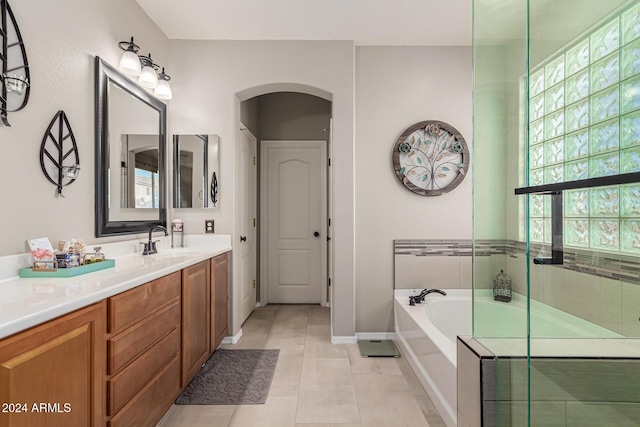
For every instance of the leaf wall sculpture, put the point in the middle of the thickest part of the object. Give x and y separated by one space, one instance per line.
59 150
214 189
13 63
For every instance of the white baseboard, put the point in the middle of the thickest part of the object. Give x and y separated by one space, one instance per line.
234 339
344 340
376 335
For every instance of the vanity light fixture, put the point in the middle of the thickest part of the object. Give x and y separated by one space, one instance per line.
163 90
130 63
146 71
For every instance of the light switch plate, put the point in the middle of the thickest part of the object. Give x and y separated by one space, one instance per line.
208 226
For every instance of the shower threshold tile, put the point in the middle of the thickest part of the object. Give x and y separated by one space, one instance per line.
631 346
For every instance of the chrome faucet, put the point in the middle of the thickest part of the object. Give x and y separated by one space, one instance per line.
417 299
150 246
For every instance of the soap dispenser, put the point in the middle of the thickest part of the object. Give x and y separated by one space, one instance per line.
177 227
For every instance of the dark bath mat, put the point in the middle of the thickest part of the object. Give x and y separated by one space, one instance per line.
378 348
232 377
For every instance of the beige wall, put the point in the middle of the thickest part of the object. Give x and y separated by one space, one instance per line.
62 37
212 78
395 88
289 115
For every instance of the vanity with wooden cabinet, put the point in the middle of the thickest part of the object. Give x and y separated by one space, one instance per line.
121 361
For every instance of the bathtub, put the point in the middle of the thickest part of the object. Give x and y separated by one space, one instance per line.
430 345
426 334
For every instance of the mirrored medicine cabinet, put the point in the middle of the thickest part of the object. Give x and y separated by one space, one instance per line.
196 172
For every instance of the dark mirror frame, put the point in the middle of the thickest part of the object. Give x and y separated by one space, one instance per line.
105 74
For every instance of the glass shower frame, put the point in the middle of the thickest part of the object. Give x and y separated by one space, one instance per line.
538 362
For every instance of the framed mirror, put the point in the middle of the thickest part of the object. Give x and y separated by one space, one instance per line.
130 155
195 171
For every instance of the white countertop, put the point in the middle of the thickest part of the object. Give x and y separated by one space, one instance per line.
28 302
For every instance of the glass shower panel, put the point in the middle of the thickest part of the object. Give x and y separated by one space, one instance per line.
583 352
499 155
557 102
499 54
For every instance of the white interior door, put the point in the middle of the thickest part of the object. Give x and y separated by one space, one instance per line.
247 237
293 212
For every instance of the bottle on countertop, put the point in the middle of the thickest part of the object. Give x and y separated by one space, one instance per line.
73 258
98 256
93 257
61 255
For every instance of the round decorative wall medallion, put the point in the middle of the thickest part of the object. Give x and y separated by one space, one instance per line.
431 158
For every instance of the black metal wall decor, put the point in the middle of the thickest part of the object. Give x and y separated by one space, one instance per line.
59 157
15 78
214 189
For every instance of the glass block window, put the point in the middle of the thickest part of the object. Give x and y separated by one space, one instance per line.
584 122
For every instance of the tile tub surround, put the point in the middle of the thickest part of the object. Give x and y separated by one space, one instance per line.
432 264
602 264
28 302
603 288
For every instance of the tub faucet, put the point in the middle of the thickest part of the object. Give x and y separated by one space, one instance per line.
150 246
417 299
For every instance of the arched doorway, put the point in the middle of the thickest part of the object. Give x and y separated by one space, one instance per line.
282 114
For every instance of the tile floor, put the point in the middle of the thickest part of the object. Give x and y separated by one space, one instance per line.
316 383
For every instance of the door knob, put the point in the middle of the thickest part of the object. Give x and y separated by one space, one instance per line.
243 238
316 234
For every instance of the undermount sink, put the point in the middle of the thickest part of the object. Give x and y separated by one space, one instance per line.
174 253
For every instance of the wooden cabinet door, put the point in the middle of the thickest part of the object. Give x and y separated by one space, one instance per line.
53 373
196 320
219 299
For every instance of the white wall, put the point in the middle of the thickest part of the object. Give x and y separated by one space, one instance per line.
211 78
395 88
62 37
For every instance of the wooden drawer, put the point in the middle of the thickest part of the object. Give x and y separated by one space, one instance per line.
148 407
125 347
124 386
131 306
